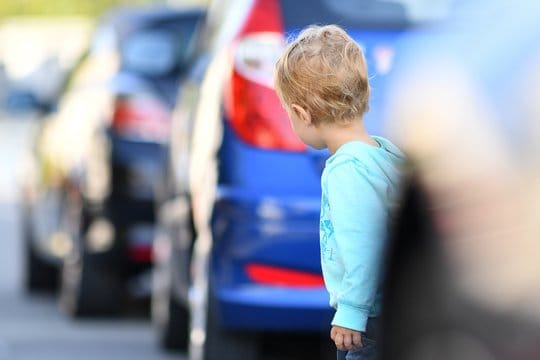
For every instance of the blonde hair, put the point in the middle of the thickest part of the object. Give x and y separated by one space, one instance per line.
325 72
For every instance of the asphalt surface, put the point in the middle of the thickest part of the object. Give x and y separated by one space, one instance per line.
33 327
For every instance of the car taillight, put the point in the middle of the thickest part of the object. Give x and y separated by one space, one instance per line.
140 253
251 103
141 119
277 276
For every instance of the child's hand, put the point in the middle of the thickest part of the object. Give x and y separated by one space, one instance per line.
346 339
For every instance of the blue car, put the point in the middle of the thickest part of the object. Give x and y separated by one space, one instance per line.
237 249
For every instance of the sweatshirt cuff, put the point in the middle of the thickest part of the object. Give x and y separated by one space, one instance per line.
350 317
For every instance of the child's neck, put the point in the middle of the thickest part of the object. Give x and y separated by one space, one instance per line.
337 134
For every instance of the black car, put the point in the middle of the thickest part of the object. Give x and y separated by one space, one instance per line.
88 195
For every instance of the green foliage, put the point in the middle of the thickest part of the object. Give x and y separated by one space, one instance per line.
61 7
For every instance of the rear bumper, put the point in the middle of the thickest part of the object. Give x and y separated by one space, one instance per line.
274 309
276 231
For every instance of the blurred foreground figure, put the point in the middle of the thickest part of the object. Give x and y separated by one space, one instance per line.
464 275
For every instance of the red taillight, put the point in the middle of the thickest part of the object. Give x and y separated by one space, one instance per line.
252 106
257 116
265 15
141 118
276 276
140 253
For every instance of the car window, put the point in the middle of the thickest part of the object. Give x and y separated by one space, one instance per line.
170 43
136 49
364 13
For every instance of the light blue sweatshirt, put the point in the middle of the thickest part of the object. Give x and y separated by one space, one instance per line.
360 188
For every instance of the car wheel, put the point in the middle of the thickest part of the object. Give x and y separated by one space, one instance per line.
170 318
91 282
39 275
170 314
88 289
212 342
172 322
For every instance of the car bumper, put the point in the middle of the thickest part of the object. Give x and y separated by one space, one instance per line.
274 309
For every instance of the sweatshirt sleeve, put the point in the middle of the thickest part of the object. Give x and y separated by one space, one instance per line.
359 217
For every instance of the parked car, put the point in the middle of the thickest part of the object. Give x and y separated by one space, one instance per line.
237 247
89 190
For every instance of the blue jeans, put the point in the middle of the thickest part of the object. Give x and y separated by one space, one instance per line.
368 351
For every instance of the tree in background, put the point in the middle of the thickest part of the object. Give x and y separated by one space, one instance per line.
62 7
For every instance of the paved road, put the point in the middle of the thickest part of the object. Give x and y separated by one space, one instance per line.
33 328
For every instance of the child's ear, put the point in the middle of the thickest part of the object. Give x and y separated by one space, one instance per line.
302 114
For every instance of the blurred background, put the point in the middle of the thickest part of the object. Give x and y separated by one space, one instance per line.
40 44
155 203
